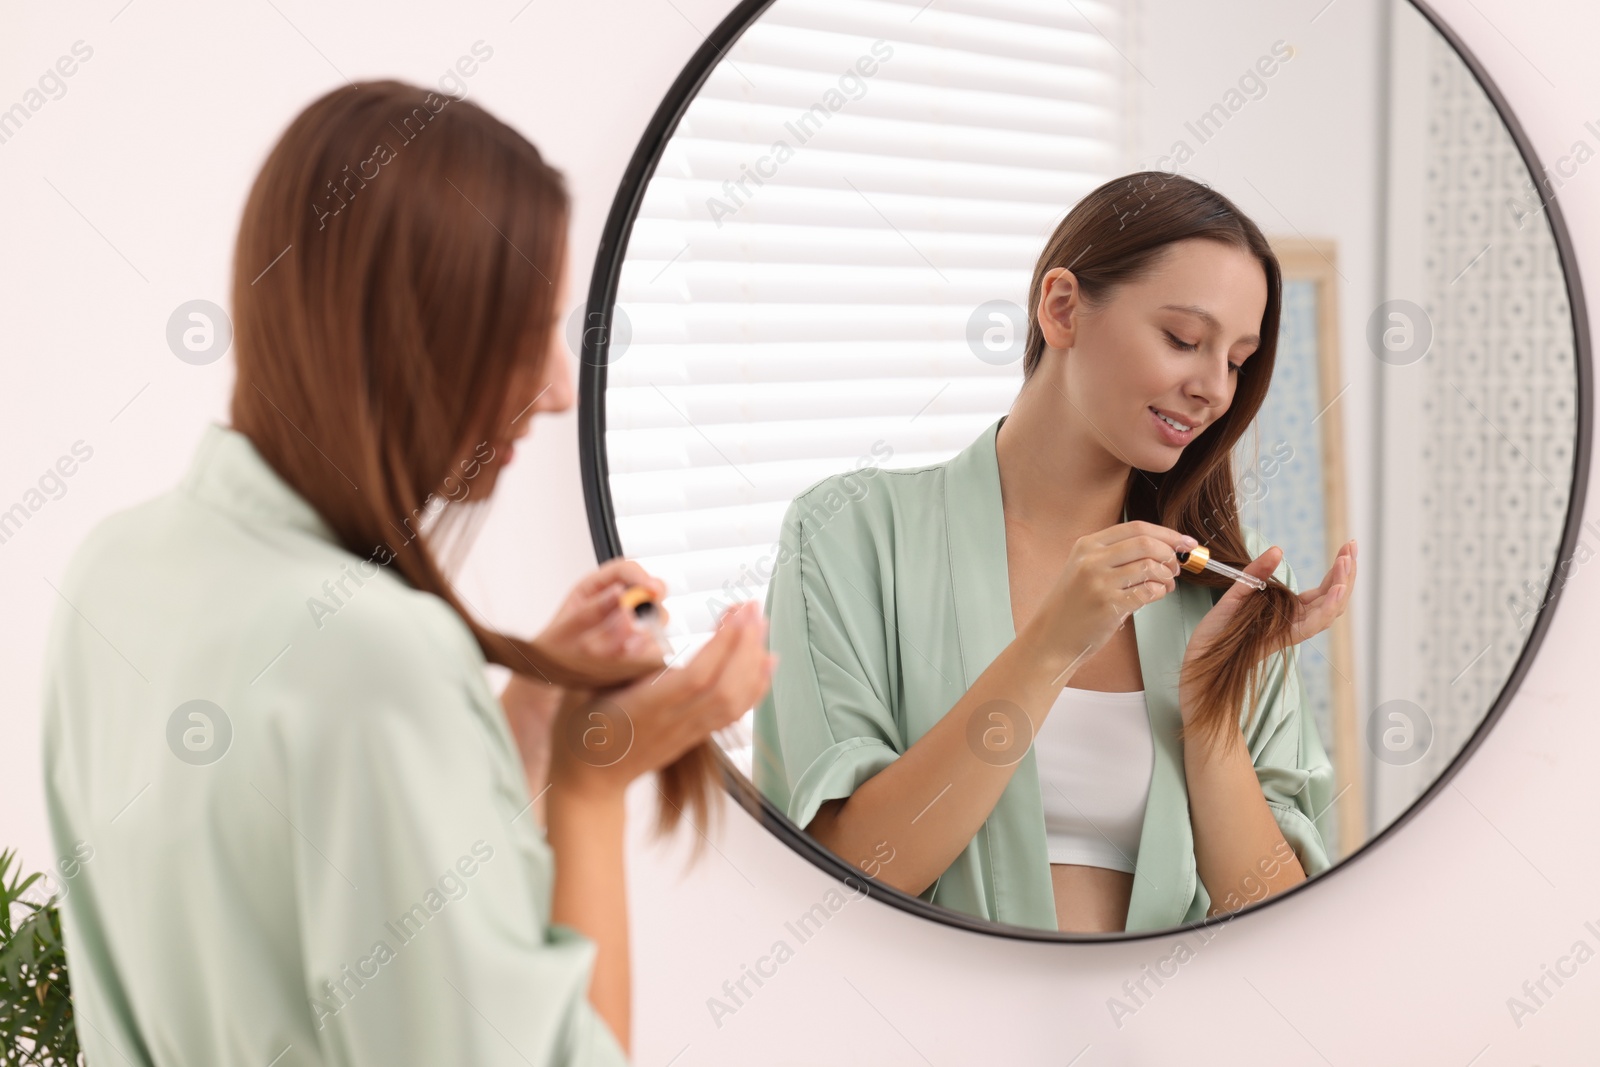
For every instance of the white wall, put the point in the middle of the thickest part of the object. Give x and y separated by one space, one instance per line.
121 200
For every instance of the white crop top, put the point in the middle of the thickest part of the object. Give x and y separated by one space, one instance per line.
1095 757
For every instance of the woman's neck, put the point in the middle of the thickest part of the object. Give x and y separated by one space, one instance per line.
1057 477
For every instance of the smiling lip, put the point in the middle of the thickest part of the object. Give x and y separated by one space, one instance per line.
1171 434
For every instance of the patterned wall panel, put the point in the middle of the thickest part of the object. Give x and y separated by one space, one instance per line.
1499 414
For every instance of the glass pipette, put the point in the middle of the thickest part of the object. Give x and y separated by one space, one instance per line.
1199 559
641 602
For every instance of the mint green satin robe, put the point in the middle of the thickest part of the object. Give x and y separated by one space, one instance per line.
339 868
890 595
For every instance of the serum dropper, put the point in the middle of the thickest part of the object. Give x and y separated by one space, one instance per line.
1199 559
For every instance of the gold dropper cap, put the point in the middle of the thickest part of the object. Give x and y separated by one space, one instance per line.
1194 561
635 595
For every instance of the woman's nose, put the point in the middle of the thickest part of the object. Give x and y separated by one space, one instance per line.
558 393
1211 386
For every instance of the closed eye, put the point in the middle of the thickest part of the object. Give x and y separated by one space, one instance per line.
1184 346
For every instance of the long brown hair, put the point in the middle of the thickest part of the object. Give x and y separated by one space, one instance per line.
1114 235
398 257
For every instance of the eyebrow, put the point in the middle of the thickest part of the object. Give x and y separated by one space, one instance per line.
1211 320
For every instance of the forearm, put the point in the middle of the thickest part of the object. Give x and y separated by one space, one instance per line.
1240 851
928 804
530 708
590 894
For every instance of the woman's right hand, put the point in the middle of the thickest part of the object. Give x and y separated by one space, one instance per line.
1108 575
593 638
602 740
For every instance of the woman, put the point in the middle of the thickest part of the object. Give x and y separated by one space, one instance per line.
265 705
961 711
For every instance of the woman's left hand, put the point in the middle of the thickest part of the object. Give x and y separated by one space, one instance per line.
1318 607
1328 601
593 634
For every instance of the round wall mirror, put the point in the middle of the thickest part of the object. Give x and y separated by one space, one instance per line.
807 330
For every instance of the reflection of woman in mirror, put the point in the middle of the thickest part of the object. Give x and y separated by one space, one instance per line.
959 709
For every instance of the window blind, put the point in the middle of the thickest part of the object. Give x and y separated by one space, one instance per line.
854 182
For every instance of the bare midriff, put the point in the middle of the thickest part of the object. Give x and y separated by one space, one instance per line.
1090 900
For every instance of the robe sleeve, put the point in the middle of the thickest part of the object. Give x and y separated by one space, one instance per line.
825 726
1296 776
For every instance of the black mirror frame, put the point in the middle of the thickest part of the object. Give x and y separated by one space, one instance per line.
607 543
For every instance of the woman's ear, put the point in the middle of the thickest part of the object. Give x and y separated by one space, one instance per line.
1058 307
